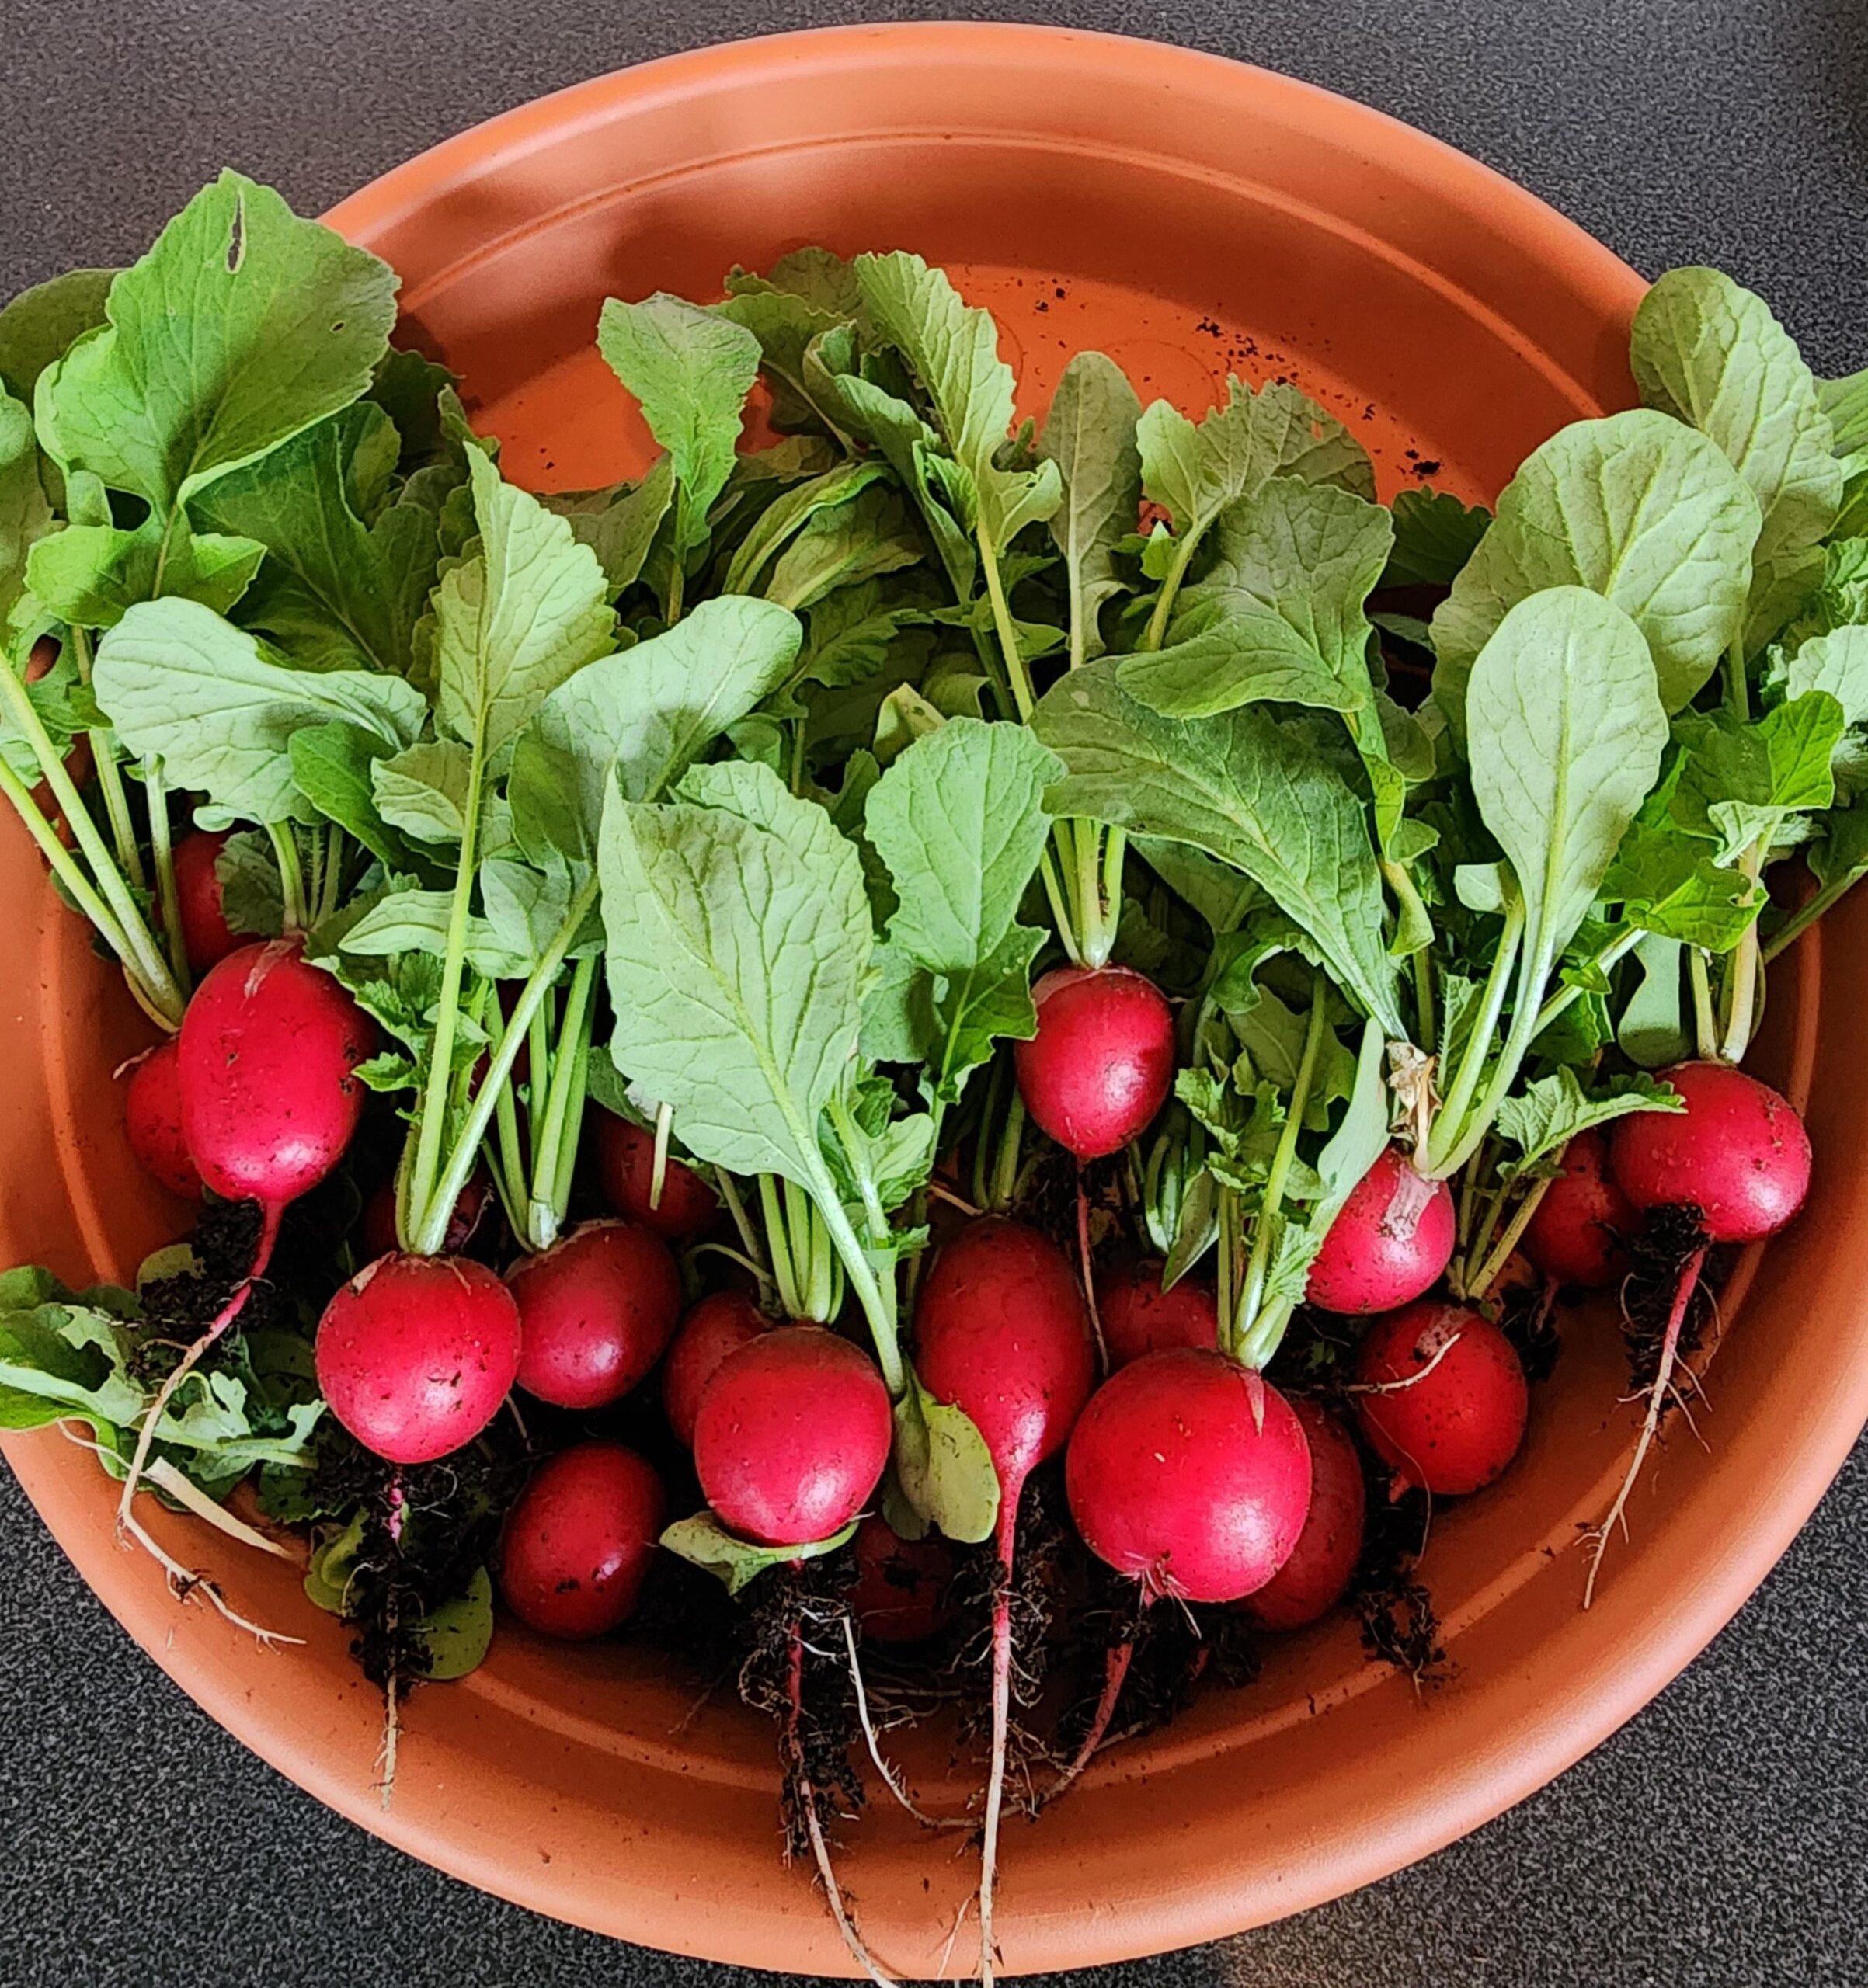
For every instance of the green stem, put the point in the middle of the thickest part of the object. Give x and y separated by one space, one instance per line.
1060 909
1011 1140
1738 690
110 775
1424 1018
1450 1127
563 1114
1482 1234
1227 1267
1705 1028
729 1193
1018 676
1611 955
1478 1286
1803 917
291 878
1157 631
1742 972
334 874
161 850
778 1248
63 865
1469 1177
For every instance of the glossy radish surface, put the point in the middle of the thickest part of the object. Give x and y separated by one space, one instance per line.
415 1353
1190 1474
903 1592
206 937
792 1434
1314 1579
1139 1317
1738 1153
1102 1061
1577 1234
1447 1401
152 1120
717 1326
267 1051
625 1172
579 1540
1392 1241
596 1311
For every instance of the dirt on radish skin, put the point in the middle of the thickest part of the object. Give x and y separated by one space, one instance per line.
596 1311
792 1437
625 1172
1443 1397
578 1542
1102 1061
1323 1561
415 1353
206 937
712 1330
152 1121
1139 1317
1393 1240
1578 1233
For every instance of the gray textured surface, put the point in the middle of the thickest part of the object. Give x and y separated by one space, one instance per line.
1722 1838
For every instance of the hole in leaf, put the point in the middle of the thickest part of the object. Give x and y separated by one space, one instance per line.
236 240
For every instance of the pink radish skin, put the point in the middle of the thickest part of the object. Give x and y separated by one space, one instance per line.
1190 1474
1323 1563
206 937
152 1121
267 1049
579 1541
1001 1332
713 1330
1139 1317
379 1230
415 1353
903 1590
625 1171
1738 1153
1101 1063
1392 1242
1455 1428
1575 1235
792 1434
596 1311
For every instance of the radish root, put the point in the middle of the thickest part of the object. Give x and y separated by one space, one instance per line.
1115 1671
890 1779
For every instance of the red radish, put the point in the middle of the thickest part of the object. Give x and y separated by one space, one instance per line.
1738 1157
1103 1059
715 1328
1575 1235
595 1311
1001 1332
1445 1400
625 1171
579 1541
1391 1241
1312 1581
206 937
792 1437
1139 1317
152 1121
415 1353
901 1594
1738 1153
378 1232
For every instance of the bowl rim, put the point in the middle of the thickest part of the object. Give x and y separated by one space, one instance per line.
1594 1683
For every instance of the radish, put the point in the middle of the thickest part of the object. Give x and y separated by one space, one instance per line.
1737 1160
1001 1332
902 1593
625 1171
265 1066
1102 1061
152 1120
378 1227
595 1311
1443 1399
415 1353
579 1541
1575 1235
1138 1316
715 1328
1323 1561
1392 1241
206 937
792 1437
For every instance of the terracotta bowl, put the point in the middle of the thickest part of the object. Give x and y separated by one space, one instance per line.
1187 215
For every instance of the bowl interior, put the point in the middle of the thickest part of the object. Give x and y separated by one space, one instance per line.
1191 218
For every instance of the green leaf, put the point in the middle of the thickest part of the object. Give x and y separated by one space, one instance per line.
41 324
1738 784
1637 508
333 593
455 1635
243 325
1243 788
843 547
528 610
1652 1030
781 521
93 574
1090 433
737 953
943 1466
180 683
621 530
691 370
1666 882
1550 1114
1841 598
247 870
1361 1133
1281 619
26 516
423 790
419 921
1836 663
1434 535
1711 354
1567 735
641 717
704 1542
